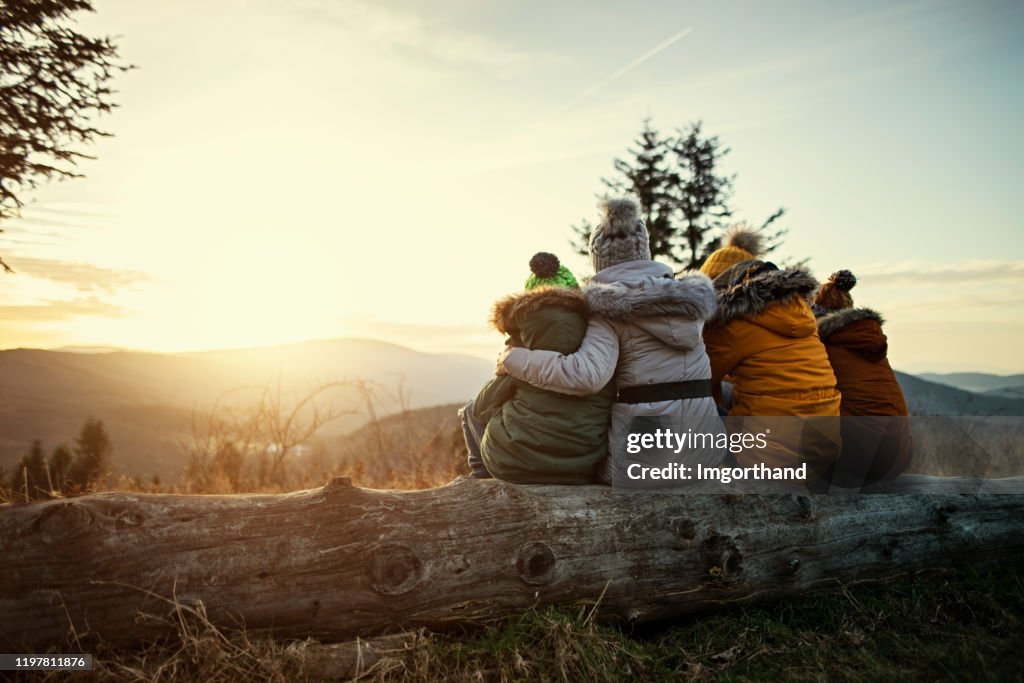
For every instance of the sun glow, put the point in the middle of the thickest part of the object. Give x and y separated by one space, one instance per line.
387 172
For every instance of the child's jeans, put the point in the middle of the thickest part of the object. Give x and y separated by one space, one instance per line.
728 394
473 433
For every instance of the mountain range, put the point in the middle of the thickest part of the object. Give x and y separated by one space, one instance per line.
931 397
1010 386
146 400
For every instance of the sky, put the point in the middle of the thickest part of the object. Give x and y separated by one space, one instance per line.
384 169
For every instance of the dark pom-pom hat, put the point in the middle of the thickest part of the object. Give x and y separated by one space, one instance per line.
835 294
544 265
547 271
843 279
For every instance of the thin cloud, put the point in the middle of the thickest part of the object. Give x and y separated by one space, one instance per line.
929 275
84 277
960 305
622 71
838 54
407 30
24 231
70 213
55 215
47 223
58 311
26 242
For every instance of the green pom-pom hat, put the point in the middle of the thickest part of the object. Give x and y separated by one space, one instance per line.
547 271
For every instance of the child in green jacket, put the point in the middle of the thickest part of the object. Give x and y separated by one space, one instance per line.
525 435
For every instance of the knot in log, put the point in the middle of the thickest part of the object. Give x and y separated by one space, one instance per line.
685 530
804 506
943 513
393 569
535 563
720 558
337 484
62 521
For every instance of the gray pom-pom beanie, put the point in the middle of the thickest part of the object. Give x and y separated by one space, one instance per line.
620 236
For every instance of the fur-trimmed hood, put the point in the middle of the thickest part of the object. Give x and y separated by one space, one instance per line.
510 311
747 289
646 289
837 320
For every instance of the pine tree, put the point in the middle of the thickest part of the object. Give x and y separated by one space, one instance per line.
53 81
646 177
684 196
60 468
702 194
30 479
92 454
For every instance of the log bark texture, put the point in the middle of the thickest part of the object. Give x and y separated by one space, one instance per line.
340 562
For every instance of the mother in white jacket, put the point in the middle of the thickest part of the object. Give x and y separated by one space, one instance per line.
646 331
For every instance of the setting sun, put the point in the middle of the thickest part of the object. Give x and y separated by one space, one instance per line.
461 341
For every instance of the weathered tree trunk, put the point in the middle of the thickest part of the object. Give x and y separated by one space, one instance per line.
339 561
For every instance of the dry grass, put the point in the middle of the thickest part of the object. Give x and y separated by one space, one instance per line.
968 625
964 625
979 446
413 449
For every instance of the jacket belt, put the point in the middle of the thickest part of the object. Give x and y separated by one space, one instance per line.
668 391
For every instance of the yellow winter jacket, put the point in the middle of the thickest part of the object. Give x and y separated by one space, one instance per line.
764 340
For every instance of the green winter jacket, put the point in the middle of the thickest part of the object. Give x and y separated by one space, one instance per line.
534 436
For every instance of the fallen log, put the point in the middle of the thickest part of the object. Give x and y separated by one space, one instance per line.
340 562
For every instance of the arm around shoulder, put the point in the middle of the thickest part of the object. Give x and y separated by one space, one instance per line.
582 373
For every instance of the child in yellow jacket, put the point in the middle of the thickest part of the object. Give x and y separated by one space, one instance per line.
764 339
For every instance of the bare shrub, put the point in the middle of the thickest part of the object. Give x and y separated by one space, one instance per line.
240 445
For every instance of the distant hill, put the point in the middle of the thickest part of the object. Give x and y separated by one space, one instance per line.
413 448
979 382
146 399
1007 392
932 398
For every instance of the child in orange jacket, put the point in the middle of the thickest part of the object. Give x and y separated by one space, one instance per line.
876 430
764 339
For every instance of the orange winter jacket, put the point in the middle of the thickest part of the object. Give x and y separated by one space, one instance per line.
857 348
877 442
764 340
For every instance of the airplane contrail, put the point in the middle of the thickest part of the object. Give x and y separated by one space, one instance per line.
619 73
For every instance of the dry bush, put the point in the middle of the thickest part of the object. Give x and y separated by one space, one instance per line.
272 443
987 447
238 445
411 449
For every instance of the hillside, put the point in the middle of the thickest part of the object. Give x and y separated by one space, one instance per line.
146 399
926 397
979 382
1007 392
